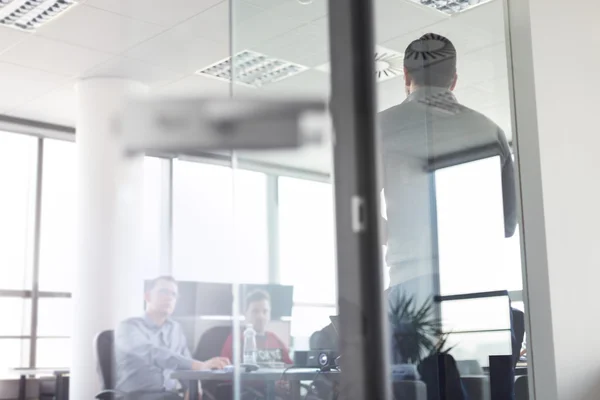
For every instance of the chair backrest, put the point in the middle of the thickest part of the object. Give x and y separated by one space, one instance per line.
105 357
521 388
211 343
469 367
518 326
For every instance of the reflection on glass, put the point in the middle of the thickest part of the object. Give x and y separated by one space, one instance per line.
451 217
17 177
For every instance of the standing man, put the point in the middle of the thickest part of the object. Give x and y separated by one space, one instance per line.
149 348
270 347
428 131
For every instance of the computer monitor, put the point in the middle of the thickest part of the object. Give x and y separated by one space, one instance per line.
204 299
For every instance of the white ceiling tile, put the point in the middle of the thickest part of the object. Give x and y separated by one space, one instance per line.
394 18
262 28
497 87
214 23
243 9
301 12
99 30
304 45
390 93
124 67
500 114
179 53
195 85
58 106
464 37
166 13
307 83
10 37
211 24
488 18
21 84
483 65
53 56
475 98
265 3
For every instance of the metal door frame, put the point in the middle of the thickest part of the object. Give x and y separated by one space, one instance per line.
364 342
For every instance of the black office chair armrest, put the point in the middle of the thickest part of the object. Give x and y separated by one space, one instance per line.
110 395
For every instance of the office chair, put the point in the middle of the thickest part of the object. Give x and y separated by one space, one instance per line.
104 344
209 346
211 343
518 326
521 388
105 358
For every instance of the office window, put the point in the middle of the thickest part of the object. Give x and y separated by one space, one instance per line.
307 254
16 316
55 317
15 354
206 199
474 254
58 225
53 353
154 242
17 179
307 240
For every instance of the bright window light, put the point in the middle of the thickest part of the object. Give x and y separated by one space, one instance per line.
450 6
31 14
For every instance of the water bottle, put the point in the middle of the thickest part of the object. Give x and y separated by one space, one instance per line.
249 345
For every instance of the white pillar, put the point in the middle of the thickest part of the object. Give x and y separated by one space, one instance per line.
109 278
563 273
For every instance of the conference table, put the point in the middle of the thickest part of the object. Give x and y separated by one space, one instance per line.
270 376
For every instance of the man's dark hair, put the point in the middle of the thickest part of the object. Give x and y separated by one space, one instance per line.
149 285
431 61
257 295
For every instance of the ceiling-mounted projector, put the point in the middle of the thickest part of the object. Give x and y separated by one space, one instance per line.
188 126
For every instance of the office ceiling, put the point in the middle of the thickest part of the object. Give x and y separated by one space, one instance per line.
164 42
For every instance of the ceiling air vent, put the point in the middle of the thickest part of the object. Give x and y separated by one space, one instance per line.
388 64
31 14
450 6
252 69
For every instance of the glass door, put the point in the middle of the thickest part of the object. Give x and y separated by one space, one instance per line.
429 298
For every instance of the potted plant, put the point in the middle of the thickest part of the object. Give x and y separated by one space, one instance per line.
419 342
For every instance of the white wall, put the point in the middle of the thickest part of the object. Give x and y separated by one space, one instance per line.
566 58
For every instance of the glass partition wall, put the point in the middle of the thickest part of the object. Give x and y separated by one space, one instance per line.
381 261
450 255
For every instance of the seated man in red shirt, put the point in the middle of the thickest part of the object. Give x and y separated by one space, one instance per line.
270 348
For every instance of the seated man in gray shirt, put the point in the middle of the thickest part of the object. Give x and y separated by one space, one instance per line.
149 348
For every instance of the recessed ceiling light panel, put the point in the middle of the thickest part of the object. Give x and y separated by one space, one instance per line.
388 64
251 69
30 14
450 6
